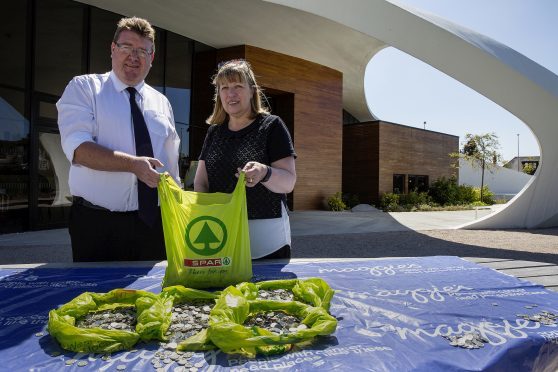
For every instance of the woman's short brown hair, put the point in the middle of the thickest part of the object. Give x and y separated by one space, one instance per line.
138 25
235 70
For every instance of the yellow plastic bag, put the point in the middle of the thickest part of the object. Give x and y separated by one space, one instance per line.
61 322
227 330
206 236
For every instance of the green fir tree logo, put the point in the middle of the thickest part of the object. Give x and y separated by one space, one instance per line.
206 237
205 240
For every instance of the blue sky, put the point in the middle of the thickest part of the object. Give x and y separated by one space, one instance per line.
404 90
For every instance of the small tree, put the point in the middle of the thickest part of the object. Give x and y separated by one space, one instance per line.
481 151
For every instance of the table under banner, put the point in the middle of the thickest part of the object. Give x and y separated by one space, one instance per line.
394 314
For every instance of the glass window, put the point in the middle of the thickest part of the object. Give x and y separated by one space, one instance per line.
418 183
178 72
103 26
14 164
53 189
47 110
398 183
12 43
156 77
59 40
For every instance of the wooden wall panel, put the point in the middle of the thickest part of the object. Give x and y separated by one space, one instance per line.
316 120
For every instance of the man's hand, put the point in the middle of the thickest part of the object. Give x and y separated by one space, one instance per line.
144 169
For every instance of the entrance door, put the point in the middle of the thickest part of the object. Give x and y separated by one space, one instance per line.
50 194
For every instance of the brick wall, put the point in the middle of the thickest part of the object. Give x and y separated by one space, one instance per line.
374 151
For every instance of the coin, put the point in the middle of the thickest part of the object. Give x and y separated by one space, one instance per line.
123 318
276 322
187 318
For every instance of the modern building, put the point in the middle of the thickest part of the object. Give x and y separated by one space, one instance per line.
381 157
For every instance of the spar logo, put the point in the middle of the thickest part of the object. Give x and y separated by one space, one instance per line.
206 235
207 262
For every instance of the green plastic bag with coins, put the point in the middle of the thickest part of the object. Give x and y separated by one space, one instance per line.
227 332
207 239
62 321
176 295
311 291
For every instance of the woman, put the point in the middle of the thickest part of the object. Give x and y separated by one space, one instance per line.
244 137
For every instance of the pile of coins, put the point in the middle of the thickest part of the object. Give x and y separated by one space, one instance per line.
275 295
164 358
123 318
276 322
188 318
544 317
468 340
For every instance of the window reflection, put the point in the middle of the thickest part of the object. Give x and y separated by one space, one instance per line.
12 43
103 25
54 169
14 166
58 52
178 72
53 189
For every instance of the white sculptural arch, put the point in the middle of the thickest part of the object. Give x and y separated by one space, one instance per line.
519 85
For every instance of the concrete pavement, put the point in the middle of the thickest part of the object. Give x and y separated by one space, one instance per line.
370 233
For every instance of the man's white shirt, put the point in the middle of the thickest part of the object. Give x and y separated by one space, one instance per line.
96 108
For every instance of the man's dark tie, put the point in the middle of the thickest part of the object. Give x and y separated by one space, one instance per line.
147 197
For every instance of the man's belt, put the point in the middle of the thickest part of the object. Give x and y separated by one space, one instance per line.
78 200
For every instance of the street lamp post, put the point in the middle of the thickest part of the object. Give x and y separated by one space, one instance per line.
518 160
424 124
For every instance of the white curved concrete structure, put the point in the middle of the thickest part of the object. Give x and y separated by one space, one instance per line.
504 76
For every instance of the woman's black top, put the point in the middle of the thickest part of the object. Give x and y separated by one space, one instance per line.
265 140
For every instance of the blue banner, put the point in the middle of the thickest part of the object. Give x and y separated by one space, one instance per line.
394 315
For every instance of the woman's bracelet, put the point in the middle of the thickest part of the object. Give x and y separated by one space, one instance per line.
267 175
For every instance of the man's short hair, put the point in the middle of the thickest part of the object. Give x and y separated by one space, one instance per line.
138 25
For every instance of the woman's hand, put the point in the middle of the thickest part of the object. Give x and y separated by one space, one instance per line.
254 172
283 174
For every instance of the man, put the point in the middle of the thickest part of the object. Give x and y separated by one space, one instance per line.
119 134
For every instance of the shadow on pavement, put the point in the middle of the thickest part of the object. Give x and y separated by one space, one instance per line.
408 244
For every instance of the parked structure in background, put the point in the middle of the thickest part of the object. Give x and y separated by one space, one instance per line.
525 164
380 157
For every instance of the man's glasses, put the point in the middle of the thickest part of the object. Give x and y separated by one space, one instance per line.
128 49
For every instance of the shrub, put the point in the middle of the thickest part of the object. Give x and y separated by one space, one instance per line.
487 195
414 198
465 194
444 191
447 192
389 201
335 203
